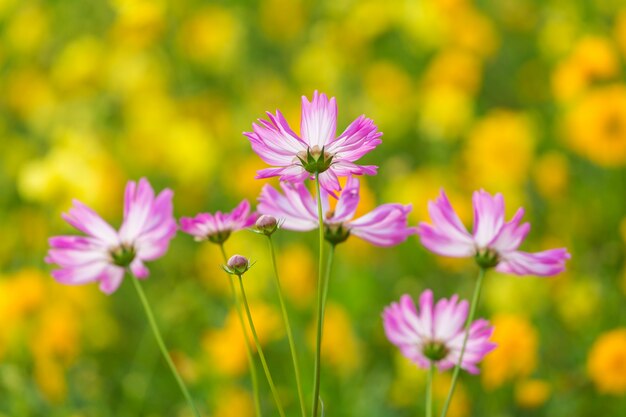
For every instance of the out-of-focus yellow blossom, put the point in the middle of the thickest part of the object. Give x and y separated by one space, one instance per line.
516 355
460 405
469 29
327 61
137 75
341 350
296 267
282 20
212 36
28 28
389 90
606 362
139 22
21 293
557 35
499 150
456 68
368 19
50 378
245 170
551 174
577 301
509 294
595 127
423 21
77 167
593 58
78 67
532 393
29 93
234 402
445 112
225 346
57 335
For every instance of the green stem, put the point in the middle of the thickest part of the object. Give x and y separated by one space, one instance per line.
259 349
429 390
470 319
292 345
159 339
320 300
251 365
329 264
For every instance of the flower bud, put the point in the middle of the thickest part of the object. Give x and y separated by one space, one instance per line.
266 224
237 265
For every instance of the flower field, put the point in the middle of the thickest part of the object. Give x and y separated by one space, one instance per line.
106 106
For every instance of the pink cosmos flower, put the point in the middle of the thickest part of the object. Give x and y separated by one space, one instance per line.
105 254
218 227
297 158
386 225
435 333
493 242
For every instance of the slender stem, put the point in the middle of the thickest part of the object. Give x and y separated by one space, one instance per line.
259 349
251 365
329 264
429 391
470 319
159 339
292 345
320 301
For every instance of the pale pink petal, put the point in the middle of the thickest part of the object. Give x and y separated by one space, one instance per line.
138 208
450 317
330 182
111 278
386 225
138 269
347 203
361 137
274 141
319 120
80 274
88 221
296 208
511 235
546 263
488 217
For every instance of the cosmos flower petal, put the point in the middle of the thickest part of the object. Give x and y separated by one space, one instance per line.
348 201
386 225
319 120
110 279
360 137
296 208
511 235
89 222
546 263
488 217
411 331
208 225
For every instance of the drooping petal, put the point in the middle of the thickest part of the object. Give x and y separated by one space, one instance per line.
111 278
319 120
296 208
511 235
343 168
348 201
488 217
386 225
546 263
446 236
330 182
138 269
88 221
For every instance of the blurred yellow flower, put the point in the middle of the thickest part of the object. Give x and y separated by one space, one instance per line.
27 29
499 150
551 174
595 127
593 58
50 378
321 54
341 349
233 402
139 22
78 67
29 93
445 112
469 29
516 354
532 393
225 347
296 267
455 68
282 20
509 294
606 362
213 37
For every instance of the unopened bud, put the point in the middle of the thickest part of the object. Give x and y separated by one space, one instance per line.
237 265
266 224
